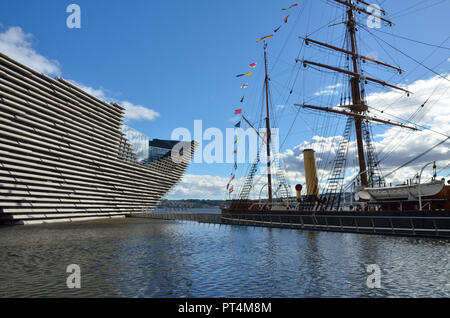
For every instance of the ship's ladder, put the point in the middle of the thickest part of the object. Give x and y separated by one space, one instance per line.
333 192
376 178
248 184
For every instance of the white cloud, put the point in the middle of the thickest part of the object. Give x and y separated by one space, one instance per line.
213 187
17 44
99 93
132 111
329 90
138 112
434 91
200 187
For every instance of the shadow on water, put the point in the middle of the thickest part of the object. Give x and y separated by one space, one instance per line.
149 258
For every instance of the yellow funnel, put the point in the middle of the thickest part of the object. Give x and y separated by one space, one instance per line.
312 182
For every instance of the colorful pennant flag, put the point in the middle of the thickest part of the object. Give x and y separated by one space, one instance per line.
277 29
238 125
244 85
265 37
253 65
292 6
246 74
236 140
242 99
238 111
235 166
231 190
286 19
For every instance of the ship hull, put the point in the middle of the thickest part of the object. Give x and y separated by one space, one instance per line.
434 224
64 157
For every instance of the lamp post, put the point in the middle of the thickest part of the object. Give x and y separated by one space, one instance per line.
420 177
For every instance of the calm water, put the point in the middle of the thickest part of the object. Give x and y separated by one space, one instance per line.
147 258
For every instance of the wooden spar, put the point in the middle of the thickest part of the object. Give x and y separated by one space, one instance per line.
331 110
257 132
368 4
354 74
343 22
362 57
353 7
268 132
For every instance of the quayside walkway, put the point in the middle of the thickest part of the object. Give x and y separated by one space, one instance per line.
198 217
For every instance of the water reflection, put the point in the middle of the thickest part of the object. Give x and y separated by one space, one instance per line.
145 258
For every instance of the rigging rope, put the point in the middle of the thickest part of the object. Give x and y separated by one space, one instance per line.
418 157
408 56
412 40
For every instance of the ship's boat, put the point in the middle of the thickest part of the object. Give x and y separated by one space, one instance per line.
403 192
65 155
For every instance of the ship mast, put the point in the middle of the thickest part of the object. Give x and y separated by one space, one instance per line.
268 131
358 106
358 109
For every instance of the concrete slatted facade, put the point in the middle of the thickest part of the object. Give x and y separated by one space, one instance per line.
63 156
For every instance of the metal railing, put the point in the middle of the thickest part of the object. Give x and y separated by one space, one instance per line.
313 222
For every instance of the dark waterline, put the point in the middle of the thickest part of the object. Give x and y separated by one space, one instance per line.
148 258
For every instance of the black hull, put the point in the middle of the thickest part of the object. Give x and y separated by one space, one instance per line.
415 223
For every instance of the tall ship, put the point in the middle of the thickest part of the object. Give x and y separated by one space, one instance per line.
337 198
66 155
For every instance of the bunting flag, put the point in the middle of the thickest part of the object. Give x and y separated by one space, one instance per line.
236 140
253 65
246 74
238 111
292 6
235 166
244 85
232 178
286 19
277 29
265 37
238 125
231 190
235 152
242 99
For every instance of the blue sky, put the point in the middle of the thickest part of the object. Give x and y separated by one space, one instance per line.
179 58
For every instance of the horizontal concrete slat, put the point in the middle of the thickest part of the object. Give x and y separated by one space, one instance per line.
63 154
